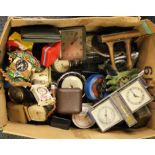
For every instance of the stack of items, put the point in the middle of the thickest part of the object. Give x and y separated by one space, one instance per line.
67 76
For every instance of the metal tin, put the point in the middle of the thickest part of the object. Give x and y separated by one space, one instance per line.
83 120
94 87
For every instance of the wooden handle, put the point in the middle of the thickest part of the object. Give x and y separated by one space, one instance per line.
128 53
119 36
111 52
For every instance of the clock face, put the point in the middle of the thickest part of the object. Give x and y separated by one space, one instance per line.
83 120
106 115
73 41
72 82
21 65
42 91
135 96
61 66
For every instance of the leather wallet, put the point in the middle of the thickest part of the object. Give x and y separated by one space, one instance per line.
69 100
60 122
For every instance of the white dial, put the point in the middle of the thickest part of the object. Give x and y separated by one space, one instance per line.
61 66
72 82
83 120
106 115
135 95
42 90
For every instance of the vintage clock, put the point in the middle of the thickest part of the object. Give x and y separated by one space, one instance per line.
42 78
106 115
42 95
71 80
135 95
61 66
83 120
73 41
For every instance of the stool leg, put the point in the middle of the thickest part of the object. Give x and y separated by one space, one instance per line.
111 52
128 53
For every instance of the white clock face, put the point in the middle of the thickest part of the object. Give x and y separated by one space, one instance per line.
106 115
135 96
83 120
72 82
61 66
41 90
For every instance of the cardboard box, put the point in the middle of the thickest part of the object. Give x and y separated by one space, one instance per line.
91 23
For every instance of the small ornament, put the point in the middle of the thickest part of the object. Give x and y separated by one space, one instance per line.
117 81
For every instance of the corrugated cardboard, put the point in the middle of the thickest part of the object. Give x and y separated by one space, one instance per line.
91 24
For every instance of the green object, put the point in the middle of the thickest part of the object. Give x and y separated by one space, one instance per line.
26 56
117 81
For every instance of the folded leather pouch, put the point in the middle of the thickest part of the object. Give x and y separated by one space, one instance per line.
69 100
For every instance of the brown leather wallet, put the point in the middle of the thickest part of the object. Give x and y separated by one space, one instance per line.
69 100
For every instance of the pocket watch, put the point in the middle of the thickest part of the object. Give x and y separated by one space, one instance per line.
106 115
135 95
83 120
71 80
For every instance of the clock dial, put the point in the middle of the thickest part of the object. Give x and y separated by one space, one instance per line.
42 90
106 115
72 82
135 96
73 43
61 66
83 120
21 65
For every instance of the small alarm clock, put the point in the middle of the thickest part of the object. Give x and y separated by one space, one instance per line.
83 120
71 80
42 95
73 41
135 95
106 115
61 66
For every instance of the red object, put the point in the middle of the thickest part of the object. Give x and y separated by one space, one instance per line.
12 45
50 54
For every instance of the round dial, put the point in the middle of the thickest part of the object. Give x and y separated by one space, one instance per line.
42 90
72 82
135 95
106 115
82 120
61 66
21 65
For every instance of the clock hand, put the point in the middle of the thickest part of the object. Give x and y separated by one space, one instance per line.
134 93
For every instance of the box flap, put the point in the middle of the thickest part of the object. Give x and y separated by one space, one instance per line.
91 23
39 131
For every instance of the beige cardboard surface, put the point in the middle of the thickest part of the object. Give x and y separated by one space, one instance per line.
49 132
90 23
36 131
146 60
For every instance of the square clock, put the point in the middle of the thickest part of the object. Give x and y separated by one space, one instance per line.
73 43
106 115
135 95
